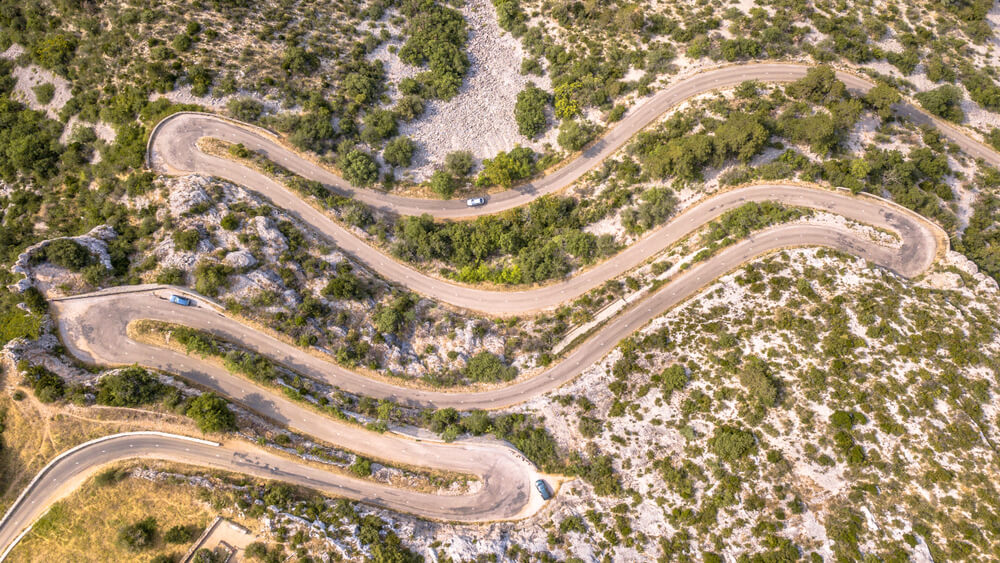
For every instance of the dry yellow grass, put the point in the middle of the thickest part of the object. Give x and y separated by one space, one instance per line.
34 433
85 525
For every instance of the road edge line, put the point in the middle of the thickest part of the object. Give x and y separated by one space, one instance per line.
48 467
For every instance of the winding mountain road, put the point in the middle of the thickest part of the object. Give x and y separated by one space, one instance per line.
93 326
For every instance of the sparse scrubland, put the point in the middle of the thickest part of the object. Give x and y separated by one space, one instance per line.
806 406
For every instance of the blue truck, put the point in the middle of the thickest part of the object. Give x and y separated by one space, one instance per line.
543 489
177 299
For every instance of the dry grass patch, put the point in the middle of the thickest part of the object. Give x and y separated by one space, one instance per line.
85 525
34 433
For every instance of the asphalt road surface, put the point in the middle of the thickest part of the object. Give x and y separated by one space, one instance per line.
173 150
93 326
70 471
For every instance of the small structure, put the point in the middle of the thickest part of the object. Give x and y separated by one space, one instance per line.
225 538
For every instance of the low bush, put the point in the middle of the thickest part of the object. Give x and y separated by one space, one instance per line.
129 387
139 536
486 367
211 413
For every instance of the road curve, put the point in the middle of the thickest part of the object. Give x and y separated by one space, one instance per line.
68 471
172 147
93 326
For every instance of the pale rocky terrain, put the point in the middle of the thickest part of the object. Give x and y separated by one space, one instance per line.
655 431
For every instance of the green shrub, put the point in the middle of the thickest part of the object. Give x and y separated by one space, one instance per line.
442 184
245 109
345 285
943 101
459 163
409 107
16 323
506 168
48 387
211 413
230 222
529 111
486 367
361 467
67 253
358 167
672 379
138 536
44 93
187 240
130 387
399 151
731 443
170 276
210 277
396 315
297 60
436 37
379 125
656 206
574 135
755 376
180 534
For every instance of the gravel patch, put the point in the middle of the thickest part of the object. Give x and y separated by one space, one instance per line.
30 76
481 117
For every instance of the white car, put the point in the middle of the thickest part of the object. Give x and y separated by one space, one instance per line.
475 201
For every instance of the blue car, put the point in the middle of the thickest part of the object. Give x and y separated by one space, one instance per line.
177 299
543 489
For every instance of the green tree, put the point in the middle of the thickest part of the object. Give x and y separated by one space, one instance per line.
358 167
567 103
943 101
442 184
506 168
881 98
399 151
574 135
529 111
211 413
731 443
129 387
486 367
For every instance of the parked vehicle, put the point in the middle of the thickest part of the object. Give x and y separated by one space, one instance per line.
475 201
543 489
177 299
